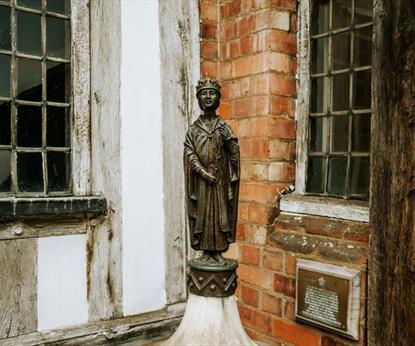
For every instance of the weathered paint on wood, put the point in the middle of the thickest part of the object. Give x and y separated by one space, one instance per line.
18 287
81 141
104 268
391 303
17 207
303 90
179 53
36 228
326 206
143 326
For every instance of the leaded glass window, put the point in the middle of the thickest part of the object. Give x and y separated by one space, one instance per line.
340 98
35 97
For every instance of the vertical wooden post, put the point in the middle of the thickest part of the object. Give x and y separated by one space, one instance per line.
104 267
391 301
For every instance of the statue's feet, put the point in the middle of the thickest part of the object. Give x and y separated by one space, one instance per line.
218 257
212 258
205 257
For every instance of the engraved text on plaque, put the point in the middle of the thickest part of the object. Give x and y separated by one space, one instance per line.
327 295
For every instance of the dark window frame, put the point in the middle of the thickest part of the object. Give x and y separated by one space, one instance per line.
299 202
42 153
79 199
344 161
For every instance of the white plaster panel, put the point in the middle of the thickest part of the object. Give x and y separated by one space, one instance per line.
142 176
62 290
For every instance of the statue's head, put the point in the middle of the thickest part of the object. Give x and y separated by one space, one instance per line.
208 94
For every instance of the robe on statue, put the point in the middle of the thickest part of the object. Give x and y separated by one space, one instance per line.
212 208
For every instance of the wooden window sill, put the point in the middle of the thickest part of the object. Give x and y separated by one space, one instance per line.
15 207
325 206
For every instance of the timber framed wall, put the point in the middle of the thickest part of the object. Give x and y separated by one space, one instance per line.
82 263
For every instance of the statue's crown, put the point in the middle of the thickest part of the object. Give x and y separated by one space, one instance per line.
207 84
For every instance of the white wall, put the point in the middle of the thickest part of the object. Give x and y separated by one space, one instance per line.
61 293
142 176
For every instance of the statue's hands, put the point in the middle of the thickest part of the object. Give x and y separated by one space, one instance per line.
225 132
210 178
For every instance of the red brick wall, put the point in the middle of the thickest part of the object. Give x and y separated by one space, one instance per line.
209 34
250 46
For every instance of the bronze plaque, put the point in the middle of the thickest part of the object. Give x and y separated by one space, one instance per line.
326 297
323 298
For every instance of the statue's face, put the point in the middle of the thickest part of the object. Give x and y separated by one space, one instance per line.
209 99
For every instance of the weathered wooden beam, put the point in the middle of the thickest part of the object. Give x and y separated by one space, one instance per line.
81 64
104 269
391 301
180 70
325 206
18 287
42 227
16 207
112 332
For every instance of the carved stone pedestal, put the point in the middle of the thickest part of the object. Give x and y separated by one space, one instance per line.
211 317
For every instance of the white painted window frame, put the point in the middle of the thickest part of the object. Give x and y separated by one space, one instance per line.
298 202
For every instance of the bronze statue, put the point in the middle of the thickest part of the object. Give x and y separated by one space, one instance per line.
212 173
